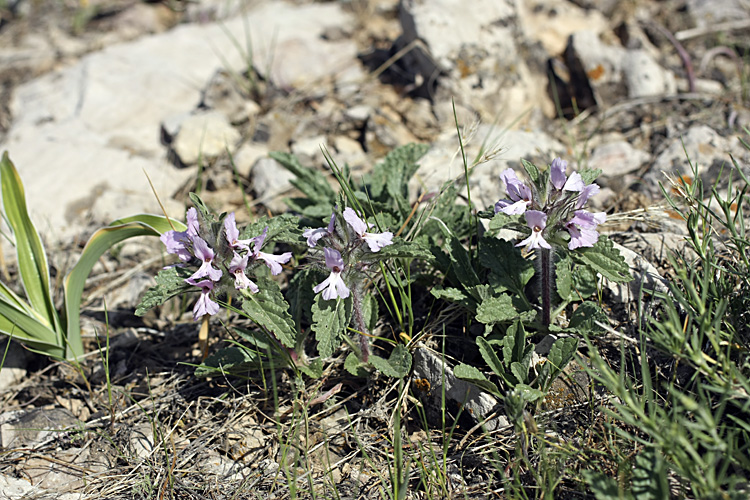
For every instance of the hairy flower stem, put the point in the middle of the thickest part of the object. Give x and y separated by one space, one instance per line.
547 270
359 321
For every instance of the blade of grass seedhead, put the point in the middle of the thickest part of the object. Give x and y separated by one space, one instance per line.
32 259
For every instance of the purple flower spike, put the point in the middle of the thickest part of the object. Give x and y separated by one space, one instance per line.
574 183
334 285
375 241
537 221
313 235
237 267
206 255
582 228
272 261
204 305
519 193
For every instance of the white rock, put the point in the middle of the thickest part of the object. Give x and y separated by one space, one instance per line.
617 158
83 135
204 135
349 151
18 489
308 150
247 155
644 77
270 180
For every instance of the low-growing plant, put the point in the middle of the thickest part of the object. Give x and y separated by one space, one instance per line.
34 320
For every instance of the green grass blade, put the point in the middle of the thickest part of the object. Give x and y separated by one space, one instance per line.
32 261
16 323
100 242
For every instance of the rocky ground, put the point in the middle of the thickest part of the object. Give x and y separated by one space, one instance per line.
197 93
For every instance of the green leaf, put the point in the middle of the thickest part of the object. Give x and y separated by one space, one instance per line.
169 282
310 181
461 268
330 319
528 393
233 359
301 295
531 170
353 365
100 242
496 310
585 281
476 377
563 278
604 487
489 356
397 365
32 259
405 249
455 295
509 269
37 335
650 480
584 318
605 260
282 228
268 309
514 343
519 371
589 175
561 353
313 369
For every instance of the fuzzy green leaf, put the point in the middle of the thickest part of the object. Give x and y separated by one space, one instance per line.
476 377
461 268
528 393
489 356
268 309
604 487
605 260
519 371
311 182
455 295
584 318
233 359
281 228
509 269
563 278
301 295
650 476
330 319
405 249
353 365
531 170
169 282
496 310
561 353
589 175
397 365
314 368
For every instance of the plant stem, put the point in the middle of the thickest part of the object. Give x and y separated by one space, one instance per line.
546 256
359 321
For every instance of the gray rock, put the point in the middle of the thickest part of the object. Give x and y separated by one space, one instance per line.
26 429
707 12
645 77
270 180
308 150
247 155
204 135
617 158
706 149
478 404
349 151
645 277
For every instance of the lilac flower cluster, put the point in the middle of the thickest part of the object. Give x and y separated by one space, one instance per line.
222 266
553 204
345 253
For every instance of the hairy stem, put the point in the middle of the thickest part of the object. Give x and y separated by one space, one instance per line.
547 269
359 322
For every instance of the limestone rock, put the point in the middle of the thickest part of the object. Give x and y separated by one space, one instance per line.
204 135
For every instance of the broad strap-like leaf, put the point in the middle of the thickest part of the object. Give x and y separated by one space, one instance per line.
101 241
36 335
32 259
471 374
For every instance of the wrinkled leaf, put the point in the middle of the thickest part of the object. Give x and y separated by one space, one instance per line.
268 309
397 365
330 319
605 260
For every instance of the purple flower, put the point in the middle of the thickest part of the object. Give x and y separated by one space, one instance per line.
180 242
560 180
334 285
237 267
204 305
537 221
375 241
582 228
272 261
586 193
520 194
313 235
206 255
